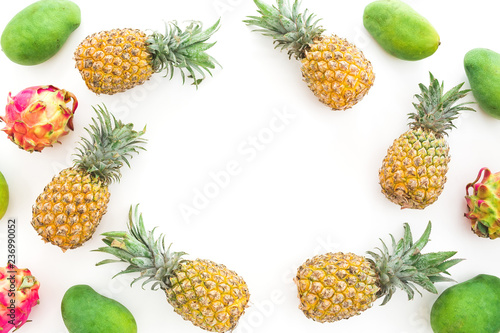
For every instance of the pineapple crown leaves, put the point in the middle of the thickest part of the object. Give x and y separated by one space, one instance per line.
406 267
436 110
183 49
290 29
144 253
110 146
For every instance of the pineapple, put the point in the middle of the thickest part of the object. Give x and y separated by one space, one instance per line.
413 172
337 286
120 59
71 206
207 294
335 70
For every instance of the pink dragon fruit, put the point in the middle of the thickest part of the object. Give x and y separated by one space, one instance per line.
18 295
484 204
38 116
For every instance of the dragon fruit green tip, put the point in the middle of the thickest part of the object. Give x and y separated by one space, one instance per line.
38 116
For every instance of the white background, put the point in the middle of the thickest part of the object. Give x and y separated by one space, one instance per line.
310 187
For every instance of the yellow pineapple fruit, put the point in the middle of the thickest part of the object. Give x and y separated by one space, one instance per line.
335 70
335 286
206 293
71 206
116 60
413 172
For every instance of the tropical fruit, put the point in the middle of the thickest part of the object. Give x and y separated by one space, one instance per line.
38 32
484 204
335 70
206 293
116 60
413 172
400 30
470 306
335 286
482 67
86 311
72 205
4 195
38 116
18 295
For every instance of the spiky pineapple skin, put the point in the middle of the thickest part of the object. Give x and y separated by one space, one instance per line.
337 72
413 172
335 286
208 294
70 208
114 61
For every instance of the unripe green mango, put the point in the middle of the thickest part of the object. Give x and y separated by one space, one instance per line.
468 307
482 67
4 195
38 32
400 30
86 311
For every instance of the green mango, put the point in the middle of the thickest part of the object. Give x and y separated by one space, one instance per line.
472 306
482 67
4 195
400 30
86 311
38 32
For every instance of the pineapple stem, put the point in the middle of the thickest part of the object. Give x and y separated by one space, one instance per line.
184 50
111 144
436 110
289 28
406 267
145 253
